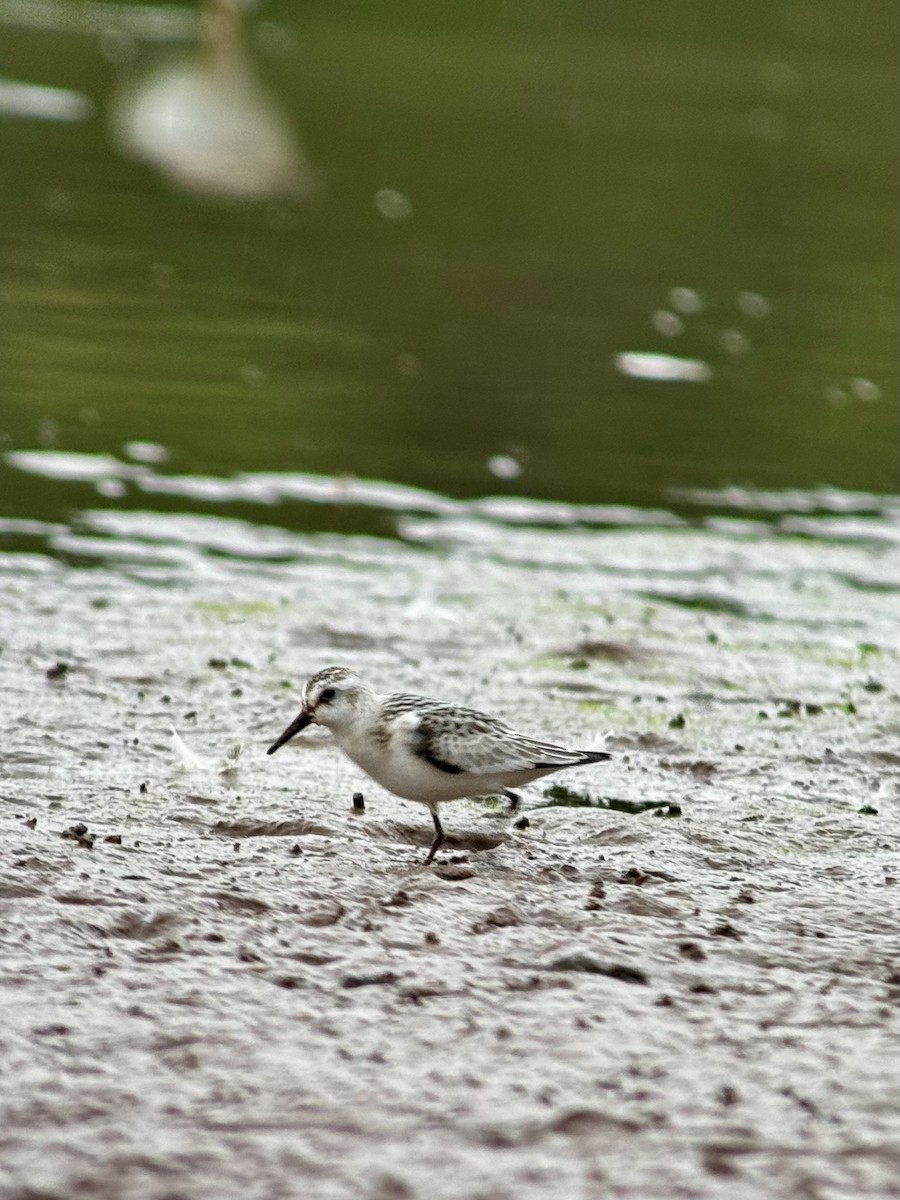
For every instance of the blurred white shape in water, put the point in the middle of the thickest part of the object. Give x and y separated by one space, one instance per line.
69 465
504 466
146 452
663 367
752 304
734 342
409 365
112 489
837 397
667 323
393 204
865 389
149 22
208 125
43 103
780 78
685 300
252 375
766 125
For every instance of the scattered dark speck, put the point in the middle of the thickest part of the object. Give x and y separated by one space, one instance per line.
591 966
355 981
726 929
59 670
79 833
692 951
677 722
522 823
867 811
143 789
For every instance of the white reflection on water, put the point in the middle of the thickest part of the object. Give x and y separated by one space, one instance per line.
43 103
422 515
664 368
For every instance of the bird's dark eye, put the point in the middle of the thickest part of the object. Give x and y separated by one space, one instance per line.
327 694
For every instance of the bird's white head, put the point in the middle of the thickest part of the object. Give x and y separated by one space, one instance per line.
335 697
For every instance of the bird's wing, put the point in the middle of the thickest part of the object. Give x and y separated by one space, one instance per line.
463 740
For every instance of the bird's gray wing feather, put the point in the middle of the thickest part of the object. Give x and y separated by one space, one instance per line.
458 740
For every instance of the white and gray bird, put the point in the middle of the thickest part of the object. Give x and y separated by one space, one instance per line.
426 750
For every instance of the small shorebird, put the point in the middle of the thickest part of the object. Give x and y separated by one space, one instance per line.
423 749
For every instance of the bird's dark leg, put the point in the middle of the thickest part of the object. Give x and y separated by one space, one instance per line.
514 799
438 837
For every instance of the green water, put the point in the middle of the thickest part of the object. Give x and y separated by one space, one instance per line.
566 166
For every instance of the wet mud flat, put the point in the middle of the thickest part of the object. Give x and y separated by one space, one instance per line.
218 979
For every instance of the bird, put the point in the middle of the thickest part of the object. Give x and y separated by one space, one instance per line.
426 750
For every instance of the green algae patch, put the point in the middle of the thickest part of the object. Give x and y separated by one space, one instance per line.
559 796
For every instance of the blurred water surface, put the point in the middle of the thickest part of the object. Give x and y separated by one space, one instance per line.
584 253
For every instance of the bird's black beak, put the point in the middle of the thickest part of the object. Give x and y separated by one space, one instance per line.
294 728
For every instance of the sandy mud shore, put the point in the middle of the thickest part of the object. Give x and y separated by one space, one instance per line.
217 980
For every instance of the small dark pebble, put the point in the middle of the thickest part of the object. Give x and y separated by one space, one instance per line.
702 989
635 877
677 721
692 951
727 1095
873 685
745 898
359 802
400 899
598 890
726 929
664 1002
592 966
867 811
143 789
813 710
355 981
114 839
31 823
218 664
522 823
58 671
432 939
79 833
295 849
